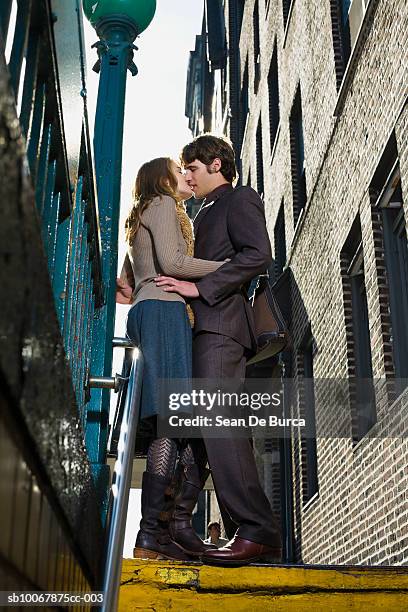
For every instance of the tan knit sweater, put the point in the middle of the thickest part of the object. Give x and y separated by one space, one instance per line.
159 248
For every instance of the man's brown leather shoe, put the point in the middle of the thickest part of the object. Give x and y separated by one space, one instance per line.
241 552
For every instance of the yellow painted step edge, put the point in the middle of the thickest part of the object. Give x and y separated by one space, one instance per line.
162 574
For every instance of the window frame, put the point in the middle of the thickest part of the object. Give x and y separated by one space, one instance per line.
273 97
360 359
311 486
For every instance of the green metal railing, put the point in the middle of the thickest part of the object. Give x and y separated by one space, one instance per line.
66 203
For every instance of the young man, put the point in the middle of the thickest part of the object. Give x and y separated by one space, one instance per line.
230 225
214 533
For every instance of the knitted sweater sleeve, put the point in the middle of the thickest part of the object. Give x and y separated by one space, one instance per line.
162 223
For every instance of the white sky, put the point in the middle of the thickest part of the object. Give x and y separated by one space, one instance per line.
155 126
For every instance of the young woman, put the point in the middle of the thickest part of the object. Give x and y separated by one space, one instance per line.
160 238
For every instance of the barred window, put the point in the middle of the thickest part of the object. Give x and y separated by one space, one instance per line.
297 157
244 103
347 16
358 334
257 49
309 448
273 94
280 242
386 194
240 5
259 160
286 4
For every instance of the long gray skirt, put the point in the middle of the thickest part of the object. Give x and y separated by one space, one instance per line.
162 330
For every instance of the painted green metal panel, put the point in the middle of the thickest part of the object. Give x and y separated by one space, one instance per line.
35 130
46 210
79 313
68 36
43 166
83 333
5 10
52 234
75 294
60 279
30 80
19 43
73 248
108 160
57 153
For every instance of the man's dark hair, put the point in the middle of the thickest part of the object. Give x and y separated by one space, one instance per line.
206 148
213 523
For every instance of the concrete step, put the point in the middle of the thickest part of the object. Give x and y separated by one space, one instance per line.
181 587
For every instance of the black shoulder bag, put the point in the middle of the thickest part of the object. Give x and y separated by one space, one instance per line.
271 331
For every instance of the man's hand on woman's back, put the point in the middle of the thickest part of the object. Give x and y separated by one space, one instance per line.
172 285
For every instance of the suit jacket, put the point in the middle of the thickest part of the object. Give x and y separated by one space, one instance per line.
231 225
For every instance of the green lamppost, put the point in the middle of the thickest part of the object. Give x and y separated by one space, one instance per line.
117 23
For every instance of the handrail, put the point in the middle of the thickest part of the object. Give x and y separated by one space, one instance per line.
121 485
114 430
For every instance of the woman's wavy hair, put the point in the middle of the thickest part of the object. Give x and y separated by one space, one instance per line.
155 178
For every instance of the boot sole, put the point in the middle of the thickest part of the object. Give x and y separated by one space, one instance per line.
277 559
145 553
241 563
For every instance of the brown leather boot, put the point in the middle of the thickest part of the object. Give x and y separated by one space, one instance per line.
153 540
239 551
192 480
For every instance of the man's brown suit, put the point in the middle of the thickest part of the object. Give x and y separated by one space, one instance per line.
231 225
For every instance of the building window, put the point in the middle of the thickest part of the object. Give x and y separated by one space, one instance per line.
309 449
280 242
240 6
272 474
216 35
257 49
297 157
347 16
224 89
358 334
386 196
244 103
234 79
286 4
356 11
273 92
259 160
396 258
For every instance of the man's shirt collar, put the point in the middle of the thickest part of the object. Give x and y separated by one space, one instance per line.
217 193
211 198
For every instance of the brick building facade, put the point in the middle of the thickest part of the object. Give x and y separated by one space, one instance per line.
313 97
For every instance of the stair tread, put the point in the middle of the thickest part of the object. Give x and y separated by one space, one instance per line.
256 577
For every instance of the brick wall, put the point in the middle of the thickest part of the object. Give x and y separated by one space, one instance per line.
361 512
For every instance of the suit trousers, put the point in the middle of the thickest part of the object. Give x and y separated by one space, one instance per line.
231 460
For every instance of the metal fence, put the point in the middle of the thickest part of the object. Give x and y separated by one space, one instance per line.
66 204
